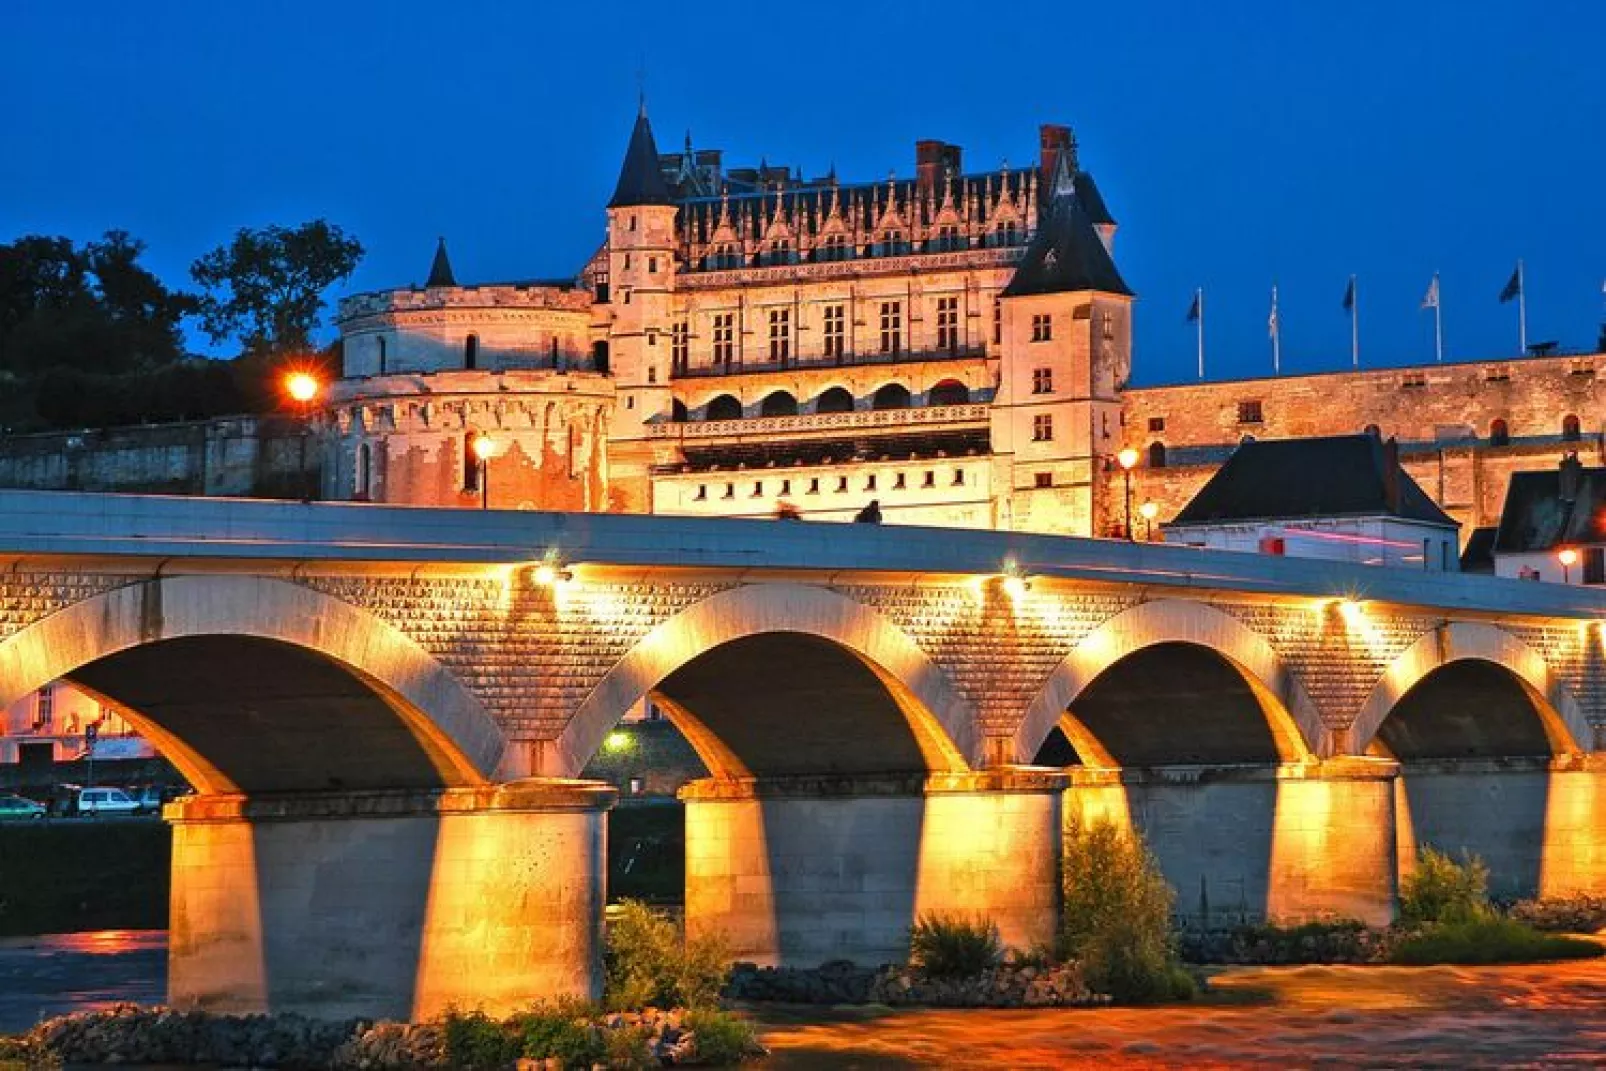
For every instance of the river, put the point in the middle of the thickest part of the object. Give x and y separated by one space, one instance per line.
1543 1016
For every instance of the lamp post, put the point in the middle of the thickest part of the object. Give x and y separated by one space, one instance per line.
484 447
1568 558
303 389
1149 511
1127 458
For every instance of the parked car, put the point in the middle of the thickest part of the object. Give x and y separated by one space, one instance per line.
92 801
150 798
19 807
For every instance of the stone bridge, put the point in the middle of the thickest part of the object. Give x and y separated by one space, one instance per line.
385 710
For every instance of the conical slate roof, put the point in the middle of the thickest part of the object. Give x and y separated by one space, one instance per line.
440 269
640 180
1066 255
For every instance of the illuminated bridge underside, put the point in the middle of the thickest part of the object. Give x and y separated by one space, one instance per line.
380 707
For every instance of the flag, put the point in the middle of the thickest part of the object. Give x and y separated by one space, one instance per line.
1271 321
1431 299
1349 295
1513 286
1193 310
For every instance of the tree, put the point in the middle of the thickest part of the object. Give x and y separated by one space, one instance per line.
266 286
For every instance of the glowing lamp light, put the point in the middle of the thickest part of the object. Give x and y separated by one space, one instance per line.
1016 586
1127 458
484 446
1149 510
1568 557
617 741
549 575
1350 610
302 387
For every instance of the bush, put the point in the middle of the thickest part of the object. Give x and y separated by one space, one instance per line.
647 962
949 946
1488 940
563 1029
1578 913
476 1042
1442 890
722 1038
1117 916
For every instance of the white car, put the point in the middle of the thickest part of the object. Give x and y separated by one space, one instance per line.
106 801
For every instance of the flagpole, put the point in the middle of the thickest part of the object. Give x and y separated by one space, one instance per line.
1438 329
1276 335
1522 311
1354 324
1198 297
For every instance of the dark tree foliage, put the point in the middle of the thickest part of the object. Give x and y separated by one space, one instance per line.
185 390
266 287
92 308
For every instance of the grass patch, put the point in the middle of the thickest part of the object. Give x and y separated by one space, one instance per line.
1488 940
950 946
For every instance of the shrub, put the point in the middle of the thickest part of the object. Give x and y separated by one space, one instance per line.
722 1038
628 1048
1442 890
647 962
1578 913
1117 916
1488 940
563 1029
949 946
476 1042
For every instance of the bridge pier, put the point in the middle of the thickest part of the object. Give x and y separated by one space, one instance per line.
802 870
1288 843
391 904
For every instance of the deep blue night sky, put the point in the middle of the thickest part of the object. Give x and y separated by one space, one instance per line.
1237 142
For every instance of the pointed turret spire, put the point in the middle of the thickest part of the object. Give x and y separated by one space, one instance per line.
440 269
640 180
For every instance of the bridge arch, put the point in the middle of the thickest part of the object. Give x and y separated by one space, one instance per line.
1467 643
1295 726
302 667
826 630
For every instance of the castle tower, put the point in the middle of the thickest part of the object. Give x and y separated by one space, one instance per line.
641 270
1065 356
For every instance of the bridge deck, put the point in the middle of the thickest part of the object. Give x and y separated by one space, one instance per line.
46 523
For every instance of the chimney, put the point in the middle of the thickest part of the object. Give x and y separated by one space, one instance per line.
1052 140
1571 478
951 160
928 164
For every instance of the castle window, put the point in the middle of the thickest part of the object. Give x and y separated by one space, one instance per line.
365 472
998 323
898 482
841 485
758 489
780 335
779 252
948 324
471 352
1107 322
814 485
835 400
930 480
632 222
948 239
1594 565
1042 327
778 403
948 392
1249 413
834 247
702 493
730 491
599 356
1499 433
891 396
381 342
726 255
1042 428
724 337
627 262
1570 430
959 477
1042 381
679 347
892 244
1157 423
725 407
786 487
44 709
652 265
652 373
471 462
835 331
1042 479
1157 455
869 482
891 327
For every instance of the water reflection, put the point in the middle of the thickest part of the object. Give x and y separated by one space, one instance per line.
55 973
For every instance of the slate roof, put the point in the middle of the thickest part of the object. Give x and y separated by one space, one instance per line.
1478 555
640 180
1536 516
440 269
1299 479
1066 254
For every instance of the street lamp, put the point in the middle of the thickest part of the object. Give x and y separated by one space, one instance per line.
303 389
1150 511
484 447
1568 558
1127 459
